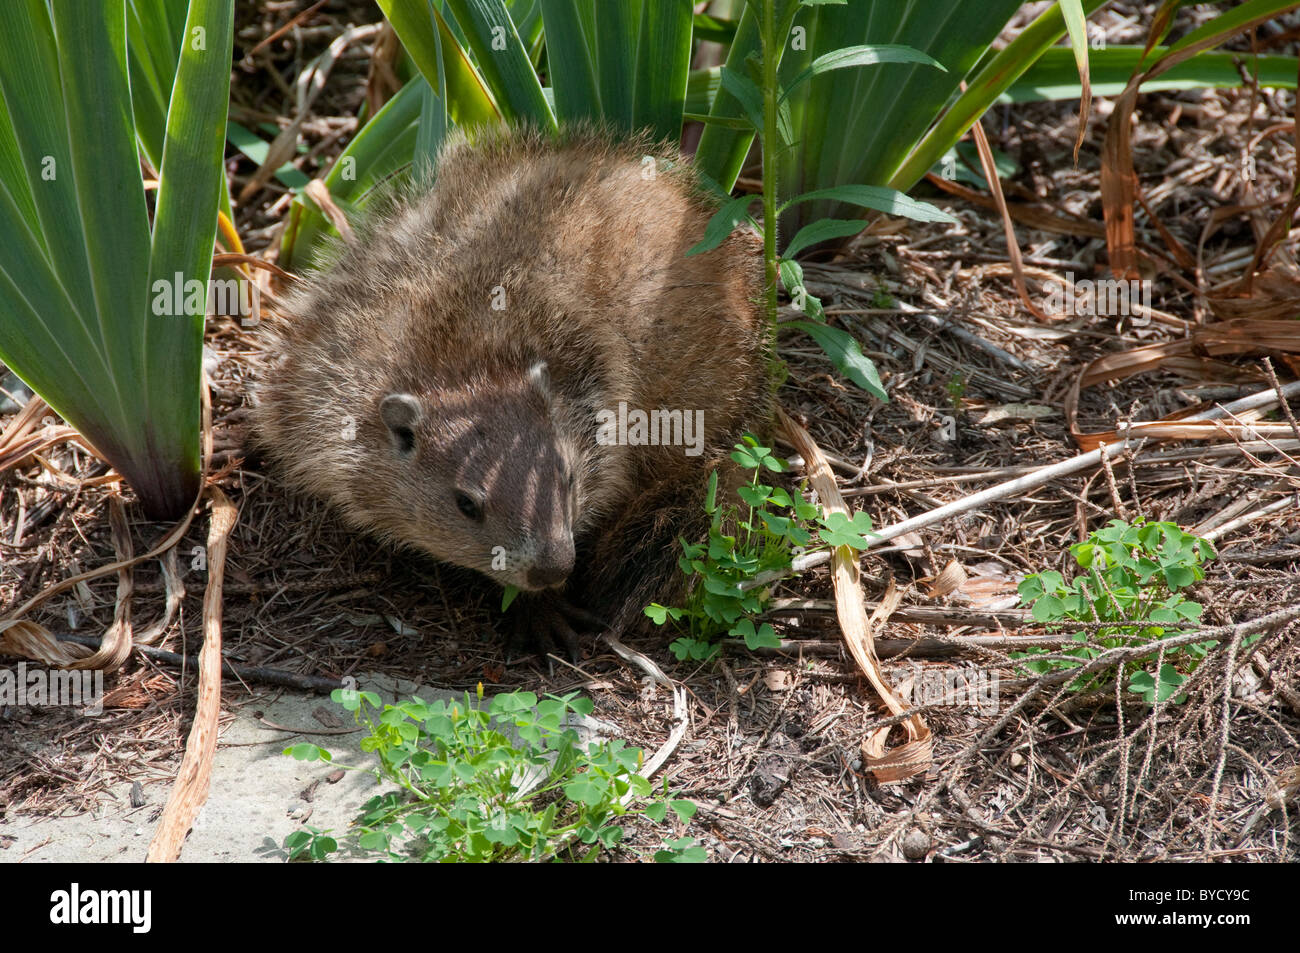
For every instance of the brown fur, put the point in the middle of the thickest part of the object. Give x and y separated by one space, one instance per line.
589 254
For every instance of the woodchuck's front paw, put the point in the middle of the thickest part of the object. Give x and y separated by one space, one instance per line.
544 622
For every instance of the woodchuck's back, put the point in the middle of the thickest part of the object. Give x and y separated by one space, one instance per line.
592 236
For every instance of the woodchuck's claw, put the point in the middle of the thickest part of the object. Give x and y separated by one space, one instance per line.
544 622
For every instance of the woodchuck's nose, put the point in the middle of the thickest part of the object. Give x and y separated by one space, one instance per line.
543 577
553 565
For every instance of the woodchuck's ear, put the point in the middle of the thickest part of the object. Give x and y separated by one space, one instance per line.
400 413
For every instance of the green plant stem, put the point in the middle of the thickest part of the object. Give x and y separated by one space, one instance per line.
771 62
749 520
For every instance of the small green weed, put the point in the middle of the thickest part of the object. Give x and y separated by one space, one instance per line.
1131 582
956 389
468 791
777 525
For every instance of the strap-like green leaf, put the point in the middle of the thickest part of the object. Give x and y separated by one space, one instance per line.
861 56
617 28
713 29
664 61
75 243
996 73
434 119
468 101
570 52
1231 22
101 185
33 95
191 180
876 197
153 32
502 59
1054 76
722 148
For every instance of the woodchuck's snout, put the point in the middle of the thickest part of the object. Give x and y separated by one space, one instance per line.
520 371
480 476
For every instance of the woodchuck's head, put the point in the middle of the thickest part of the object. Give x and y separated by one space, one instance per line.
478 473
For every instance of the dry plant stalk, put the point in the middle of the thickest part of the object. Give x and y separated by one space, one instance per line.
320 194
1119 181
20 440
191 789
990 168
1176 427
914 756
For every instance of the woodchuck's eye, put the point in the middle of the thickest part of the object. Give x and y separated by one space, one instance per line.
469 506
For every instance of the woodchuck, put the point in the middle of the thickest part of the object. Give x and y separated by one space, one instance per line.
520 371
